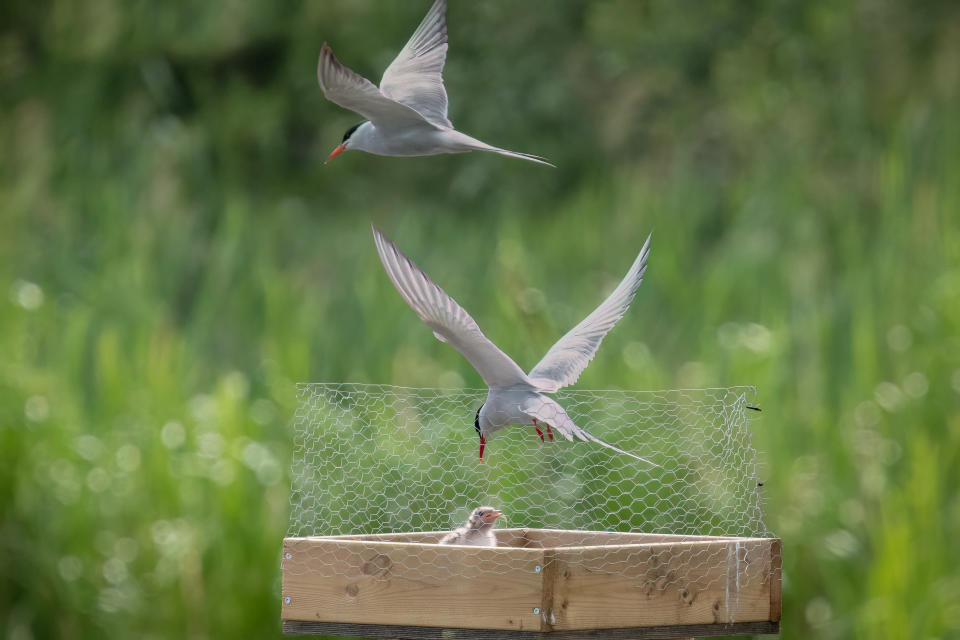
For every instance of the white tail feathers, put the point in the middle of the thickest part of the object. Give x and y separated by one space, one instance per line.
522 156
468 143
548 411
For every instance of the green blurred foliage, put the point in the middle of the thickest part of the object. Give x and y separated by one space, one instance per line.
174 256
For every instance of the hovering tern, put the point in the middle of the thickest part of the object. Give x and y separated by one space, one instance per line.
407 115
514 397
477 531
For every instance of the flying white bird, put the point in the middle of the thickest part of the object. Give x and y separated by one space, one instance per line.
478 530
407 115
514 397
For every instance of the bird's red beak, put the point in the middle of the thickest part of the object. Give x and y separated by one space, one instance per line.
340 149
492 517
483 443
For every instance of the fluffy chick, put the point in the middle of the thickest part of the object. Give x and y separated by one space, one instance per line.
477 531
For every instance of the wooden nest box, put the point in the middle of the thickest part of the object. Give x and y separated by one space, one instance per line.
538 583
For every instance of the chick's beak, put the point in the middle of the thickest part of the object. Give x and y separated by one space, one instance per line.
340 149
492 516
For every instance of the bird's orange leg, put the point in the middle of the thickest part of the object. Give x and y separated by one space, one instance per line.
540 433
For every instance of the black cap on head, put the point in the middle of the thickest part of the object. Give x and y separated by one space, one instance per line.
350 132
476 422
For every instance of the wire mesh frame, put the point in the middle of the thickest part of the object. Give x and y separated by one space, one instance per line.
374 459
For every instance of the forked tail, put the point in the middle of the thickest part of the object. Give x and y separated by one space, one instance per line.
549 411
472 144
522 156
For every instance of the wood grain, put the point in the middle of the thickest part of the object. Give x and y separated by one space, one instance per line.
582 581
684 583
413 584
585 538
776 580
524 537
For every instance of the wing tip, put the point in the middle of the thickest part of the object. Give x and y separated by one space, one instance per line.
326 51
382 242
326 54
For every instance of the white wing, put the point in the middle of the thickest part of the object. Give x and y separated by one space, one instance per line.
352 91
415 77
449 321
567 359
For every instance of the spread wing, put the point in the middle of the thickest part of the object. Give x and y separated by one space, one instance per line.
567 359
449 321
352 91
415 77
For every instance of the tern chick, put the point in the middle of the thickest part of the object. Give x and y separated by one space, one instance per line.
478 529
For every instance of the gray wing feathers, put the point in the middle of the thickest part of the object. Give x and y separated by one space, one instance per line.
567 359
449 321
352 91
415 77
454 537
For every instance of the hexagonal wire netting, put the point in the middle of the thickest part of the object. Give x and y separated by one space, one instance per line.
376 459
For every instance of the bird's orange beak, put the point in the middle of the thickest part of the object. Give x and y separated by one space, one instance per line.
492 516
340 149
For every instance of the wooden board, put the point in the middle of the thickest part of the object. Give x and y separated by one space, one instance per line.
296 627
549 538
410 584
523 537
683 583
540 581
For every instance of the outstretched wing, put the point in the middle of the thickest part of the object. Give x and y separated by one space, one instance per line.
415 77
567 359
449 321
352 91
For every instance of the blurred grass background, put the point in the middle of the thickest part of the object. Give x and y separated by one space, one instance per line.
174 256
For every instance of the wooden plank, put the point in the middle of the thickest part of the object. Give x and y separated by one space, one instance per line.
386 580
509 537
359 581
549 578
426 537
543 538
585 538
297 627
686 583
776 580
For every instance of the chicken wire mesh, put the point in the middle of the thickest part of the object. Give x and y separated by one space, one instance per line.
378 459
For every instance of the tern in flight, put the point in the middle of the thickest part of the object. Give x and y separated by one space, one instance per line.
514 397
407 115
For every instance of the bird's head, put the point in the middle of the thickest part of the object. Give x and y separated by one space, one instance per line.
483 517
345 143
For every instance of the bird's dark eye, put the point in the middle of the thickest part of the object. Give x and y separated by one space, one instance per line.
350 132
